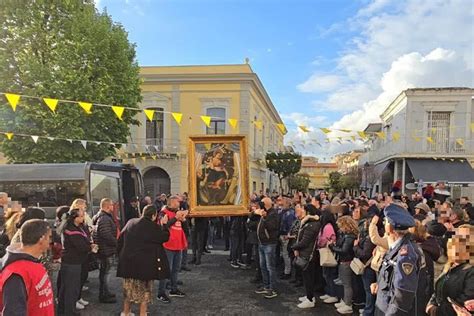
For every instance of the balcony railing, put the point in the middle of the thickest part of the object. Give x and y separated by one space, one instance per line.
420 147
154 146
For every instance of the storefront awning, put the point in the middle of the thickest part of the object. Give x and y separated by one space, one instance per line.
430 170
380 168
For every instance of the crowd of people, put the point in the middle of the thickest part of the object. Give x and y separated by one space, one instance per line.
369 256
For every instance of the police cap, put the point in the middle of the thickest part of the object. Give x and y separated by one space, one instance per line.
399 217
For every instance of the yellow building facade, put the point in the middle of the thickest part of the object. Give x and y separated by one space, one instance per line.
222 92
318 172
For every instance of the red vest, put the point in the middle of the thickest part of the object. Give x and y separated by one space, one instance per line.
177 240
37 285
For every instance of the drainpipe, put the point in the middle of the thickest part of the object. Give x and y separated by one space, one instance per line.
403 175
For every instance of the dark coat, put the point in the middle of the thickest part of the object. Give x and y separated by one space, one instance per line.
268 228
458 284
364 249
252 224
105 234
344 247
141 252
307 237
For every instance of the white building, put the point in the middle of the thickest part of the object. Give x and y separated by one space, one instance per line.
428 136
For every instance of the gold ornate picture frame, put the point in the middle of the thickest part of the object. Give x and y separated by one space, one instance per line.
218 175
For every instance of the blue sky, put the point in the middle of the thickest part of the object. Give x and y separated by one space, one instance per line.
334 63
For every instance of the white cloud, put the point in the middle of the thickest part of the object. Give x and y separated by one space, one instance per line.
318 83
401 44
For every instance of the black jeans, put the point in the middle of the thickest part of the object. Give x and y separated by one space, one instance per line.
198 242
70 288
104 275
308 280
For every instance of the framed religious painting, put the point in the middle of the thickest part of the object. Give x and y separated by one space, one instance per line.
218 176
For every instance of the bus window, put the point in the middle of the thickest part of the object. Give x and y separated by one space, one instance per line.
104 184
44 193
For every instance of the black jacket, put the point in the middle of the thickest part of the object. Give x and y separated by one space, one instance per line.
364 248
105 234
307 237
141 238
76 245
268 228
458 284
344 247
252 225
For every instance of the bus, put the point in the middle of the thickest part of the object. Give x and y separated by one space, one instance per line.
51 185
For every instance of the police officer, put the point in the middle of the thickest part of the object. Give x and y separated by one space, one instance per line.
398 277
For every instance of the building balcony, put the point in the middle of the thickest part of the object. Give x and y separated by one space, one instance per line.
409 147
153 146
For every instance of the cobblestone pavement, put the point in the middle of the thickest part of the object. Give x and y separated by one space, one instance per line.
213 288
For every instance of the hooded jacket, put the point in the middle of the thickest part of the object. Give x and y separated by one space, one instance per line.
25 287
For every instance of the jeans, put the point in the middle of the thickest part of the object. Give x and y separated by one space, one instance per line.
345 275
174 261
285 254
308 280
70 288
184 258
104 276
212 234
329 275
267 264
368 278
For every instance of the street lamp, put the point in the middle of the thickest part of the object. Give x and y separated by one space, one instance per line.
366 166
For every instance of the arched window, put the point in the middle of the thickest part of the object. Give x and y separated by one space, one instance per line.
154 129
217 125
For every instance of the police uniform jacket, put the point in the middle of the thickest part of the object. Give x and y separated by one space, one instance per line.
458 284
141 252
398 279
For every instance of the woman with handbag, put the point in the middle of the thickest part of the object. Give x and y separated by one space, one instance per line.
304 250
327 235
345 253
142 238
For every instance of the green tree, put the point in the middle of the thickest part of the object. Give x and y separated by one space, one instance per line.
283 164
65 50
299 182
335 181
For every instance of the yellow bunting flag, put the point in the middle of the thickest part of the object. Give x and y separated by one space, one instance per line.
233 122
380 135
118 110
177 117
396 136
345 130
281 127
51 103
460 141
325 130
258 124
86 106
9 136
149 114
353 138
430 139
472 127
433 130
416 138
206 119
362 134
304 128
12 99
153 157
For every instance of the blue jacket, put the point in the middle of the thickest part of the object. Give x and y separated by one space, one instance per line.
286 221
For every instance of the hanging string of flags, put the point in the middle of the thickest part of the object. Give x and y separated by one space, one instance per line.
14 100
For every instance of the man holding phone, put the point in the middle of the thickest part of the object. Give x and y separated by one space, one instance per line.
267 233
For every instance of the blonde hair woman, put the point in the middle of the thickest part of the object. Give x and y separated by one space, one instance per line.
344 249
